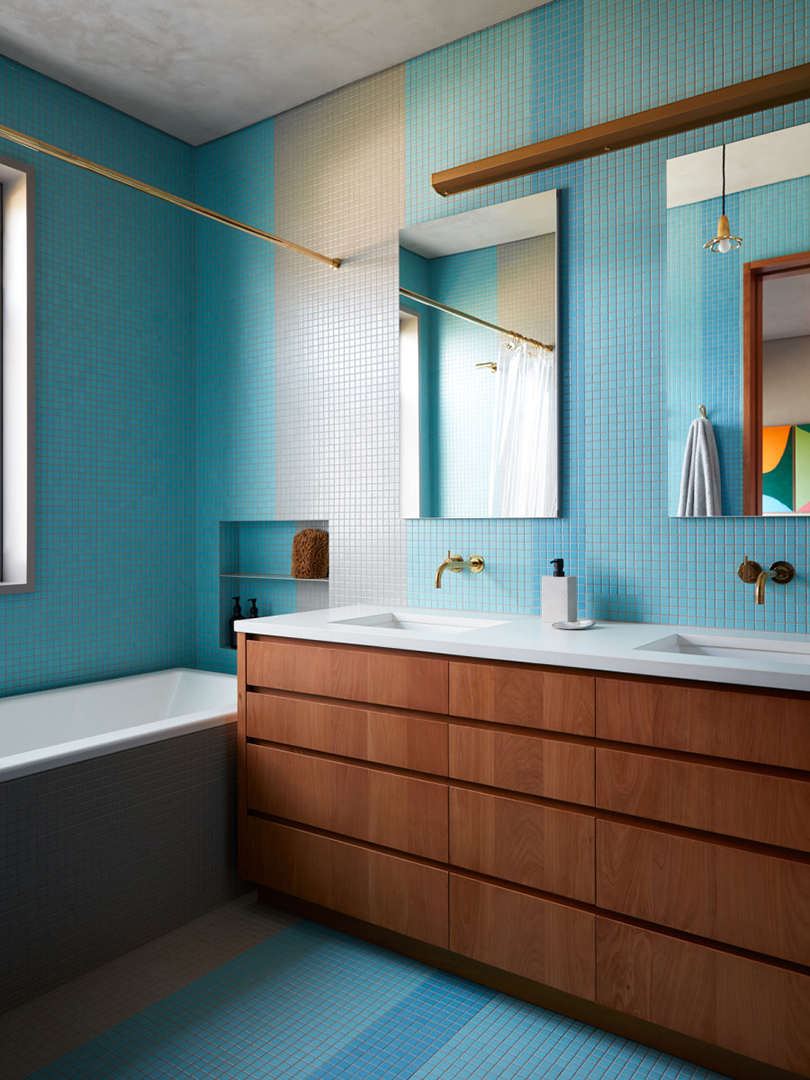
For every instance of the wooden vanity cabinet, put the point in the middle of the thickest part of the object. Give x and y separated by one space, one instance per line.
703 863
639 848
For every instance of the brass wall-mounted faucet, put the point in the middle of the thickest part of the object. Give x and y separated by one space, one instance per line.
475 564
752 573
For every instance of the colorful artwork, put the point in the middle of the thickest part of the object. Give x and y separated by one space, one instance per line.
786 469
801 497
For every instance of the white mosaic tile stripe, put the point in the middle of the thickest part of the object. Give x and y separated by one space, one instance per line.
340 189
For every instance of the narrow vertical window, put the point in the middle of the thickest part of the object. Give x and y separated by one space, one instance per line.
16 378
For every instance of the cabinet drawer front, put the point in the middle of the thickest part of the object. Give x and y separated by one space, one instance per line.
541 940
741 1004
409 742
538 846
758 902
770 809
525 696
756 727
379 676
393 811
550 768
369 885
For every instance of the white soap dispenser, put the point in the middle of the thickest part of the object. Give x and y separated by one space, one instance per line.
559 595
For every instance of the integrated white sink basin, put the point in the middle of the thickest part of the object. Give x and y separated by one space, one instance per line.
769 660
732 648
419 623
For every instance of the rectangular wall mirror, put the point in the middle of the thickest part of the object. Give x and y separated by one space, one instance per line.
478 362
738 323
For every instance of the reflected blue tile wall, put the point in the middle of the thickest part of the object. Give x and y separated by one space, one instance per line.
704 341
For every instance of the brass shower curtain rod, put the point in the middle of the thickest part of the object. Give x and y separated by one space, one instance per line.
121 178
472 318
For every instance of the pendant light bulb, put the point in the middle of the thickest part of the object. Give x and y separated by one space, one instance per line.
723 242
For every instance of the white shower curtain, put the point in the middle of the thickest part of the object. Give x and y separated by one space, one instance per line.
523 468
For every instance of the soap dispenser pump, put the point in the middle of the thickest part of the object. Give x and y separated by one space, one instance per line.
559 595
237 614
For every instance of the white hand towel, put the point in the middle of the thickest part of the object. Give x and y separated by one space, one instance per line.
700 479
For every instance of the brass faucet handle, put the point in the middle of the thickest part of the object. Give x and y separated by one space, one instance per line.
748 571
782 572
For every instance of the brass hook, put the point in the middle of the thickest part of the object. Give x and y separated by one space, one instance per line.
703 412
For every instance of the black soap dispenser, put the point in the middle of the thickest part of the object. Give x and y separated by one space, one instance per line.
253 611
237 614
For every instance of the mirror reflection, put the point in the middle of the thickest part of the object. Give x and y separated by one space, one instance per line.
776 302
478 387
728 348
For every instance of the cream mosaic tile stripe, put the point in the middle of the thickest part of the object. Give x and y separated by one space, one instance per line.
339 188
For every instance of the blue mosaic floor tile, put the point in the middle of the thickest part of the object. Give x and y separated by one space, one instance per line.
313 1004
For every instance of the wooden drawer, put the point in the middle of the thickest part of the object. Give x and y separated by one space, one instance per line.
758 902
538 846
383 808
379 888
379 676
522 695
734 802
539 939
749 726
409 742
550 768
744 1005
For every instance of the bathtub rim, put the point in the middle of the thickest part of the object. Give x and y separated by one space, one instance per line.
46 758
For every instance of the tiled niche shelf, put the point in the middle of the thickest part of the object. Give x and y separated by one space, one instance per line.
254 561
273 577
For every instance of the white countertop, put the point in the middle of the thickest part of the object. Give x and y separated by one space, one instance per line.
631 648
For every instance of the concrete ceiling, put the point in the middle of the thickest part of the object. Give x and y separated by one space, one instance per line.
199 69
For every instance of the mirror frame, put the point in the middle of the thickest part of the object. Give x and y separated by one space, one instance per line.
754 276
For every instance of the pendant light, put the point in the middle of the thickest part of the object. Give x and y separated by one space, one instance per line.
724 241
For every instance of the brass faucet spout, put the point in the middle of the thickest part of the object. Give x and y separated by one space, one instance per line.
450 559
759 592
475 564
780 572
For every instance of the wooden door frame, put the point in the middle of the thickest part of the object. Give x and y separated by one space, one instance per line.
754 274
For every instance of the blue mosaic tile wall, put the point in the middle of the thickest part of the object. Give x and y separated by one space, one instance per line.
235 388
114 399
526 78
632 561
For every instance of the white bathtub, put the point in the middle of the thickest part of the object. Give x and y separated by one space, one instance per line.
117 820
57 727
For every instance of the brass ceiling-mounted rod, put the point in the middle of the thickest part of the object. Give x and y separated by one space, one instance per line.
121 178
472 318
739 99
